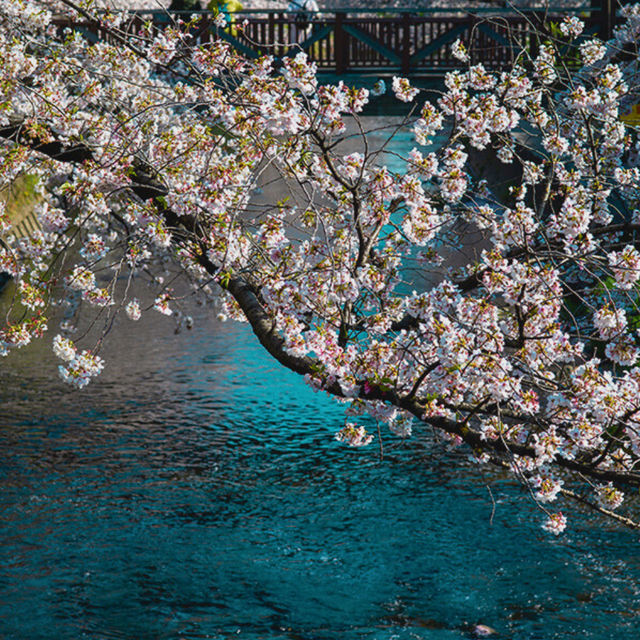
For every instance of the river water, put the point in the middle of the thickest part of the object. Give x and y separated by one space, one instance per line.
194 490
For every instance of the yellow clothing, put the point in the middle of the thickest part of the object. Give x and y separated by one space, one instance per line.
229 7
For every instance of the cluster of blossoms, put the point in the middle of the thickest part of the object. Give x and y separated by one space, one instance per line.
609 497
403 90
547 487
353 435
609 322
504 315
592 51
459 51
80 367
556 523
132 309
300 73
571 26
545 65
14 336
94 247
81 279
625 266
161 305
428 125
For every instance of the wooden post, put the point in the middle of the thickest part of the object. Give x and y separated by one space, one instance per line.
406 42
269 32
605 18
281 38
532 29
340 44
205 30
135 26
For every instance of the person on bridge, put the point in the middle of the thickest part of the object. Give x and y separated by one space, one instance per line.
305 11
228 8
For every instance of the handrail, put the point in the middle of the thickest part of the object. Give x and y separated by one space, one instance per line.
382 12
410 41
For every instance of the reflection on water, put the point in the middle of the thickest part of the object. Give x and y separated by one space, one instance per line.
195 491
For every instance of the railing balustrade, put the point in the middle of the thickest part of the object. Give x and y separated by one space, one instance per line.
360 41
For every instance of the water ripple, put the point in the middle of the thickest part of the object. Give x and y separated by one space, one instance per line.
196 492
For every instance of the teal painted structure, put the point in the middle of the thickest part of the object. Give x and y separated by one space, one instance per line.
376 41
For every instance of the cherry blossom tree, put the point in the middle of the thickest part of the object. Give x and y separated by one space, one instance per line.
500 314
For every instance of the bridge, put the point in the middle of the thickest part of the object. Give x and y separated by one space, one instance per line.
361 41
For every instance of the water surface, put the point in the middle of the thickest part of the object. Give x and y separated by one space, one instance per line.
195 491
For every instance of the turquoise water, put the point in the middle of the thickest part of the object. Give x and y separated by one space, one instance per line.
195 491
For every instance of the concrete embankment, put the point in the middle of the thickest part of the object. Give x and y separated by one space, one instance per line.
20 203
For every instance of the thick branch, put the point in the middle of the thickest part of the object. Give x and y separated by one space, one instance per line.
53 149
146 185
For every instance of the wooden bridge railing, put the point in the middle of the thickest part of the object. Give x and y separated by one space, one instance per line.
365 40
